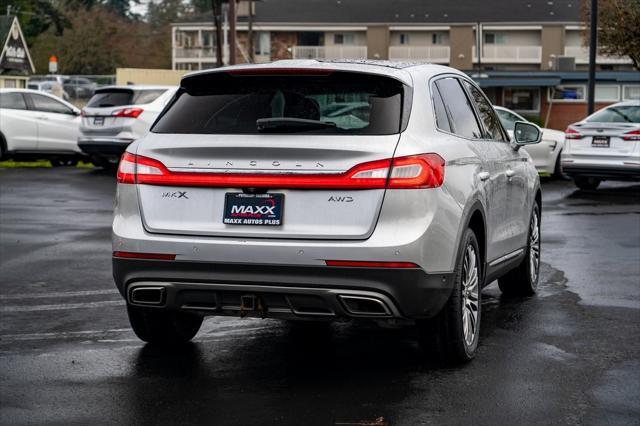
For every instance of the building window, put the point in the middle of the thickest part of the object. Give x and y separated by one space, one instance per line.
343 38
567 93
436 38
493 38
607 93
206 39
404 38
631 93
524 99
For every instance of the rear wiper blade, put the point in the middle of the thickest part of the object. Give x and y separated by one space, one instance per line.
291 124
105 105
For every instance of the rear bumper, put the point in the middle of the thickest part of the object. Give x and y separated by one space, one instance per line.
617 171
103 146
289 292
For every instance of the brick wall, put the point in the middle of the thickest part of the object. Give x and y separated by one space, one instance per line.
565 113
280 44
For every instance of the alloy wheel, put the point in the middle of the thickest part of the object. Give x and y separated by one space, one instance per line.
470 291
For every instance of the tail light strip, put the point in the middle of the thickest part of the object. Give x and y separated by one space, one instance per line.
411 172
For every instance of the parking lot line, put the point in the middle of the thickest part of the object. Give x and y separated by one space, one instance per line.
63 306
56 294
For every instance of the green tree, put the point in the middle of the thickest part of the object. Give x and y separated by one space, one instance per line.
618 28
162 13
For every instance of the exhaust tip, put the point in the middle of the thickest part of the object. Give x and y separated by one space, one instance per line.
154 296
367 306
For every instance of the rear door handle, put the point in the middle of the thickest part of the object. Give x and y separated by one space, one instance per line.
483 176
43 117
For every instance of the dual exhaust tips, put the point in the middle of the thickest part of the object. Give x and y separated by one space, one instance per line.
354 304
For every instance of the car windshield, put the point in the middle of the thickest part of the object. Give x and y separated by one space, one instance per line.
617 114
335 103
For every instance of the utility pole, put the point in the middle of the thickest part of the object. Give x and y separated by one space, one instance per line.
593 47
250 32
216 6
232 32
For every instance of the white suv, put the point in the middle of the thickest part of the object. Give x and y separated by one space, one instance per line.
246 199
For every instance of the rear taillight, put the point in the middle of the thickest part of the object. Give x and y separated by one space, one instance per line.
572 133
412 172
127 112
632 136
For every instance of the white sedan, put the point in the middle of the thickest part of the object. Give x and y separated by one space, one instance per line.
36 125
546 154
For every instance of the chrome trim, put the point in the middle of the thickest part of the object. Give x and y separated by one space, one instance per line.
132 292
255 171
343 297
507 257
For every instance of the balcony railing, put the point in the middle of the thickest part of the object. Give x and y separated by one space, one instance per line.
195 52
582 56
509 54
435 54
330 52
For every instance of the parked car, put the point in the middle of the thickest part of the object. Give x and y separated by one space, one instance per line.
79 87
244 200
604 146
116 116
37 125
50 87
546 154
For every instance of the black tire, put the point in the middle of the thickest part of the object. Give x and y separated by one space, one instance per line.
557 170
587 183
57 162
161 327
523 280
443 337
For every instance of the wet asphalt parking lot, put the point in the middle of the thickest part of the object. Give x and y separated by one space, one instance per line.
569 355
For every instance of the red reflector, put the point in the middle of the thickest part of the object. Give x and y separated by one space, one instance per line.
279 71
365 264
154 256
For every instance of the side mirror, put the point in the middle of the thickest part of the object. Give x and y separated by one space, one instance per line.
525 133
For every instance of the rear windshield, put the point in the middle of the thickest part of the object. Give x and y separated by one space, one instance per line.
617 114
121 97
336 103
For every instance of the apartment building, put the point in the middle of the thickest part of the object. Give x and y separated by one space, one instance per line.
482 37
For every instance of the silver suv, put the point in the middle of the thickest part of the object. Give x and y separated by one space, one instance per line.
246 200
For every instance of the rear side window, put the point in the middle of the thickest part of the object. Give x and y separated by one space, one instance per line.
12 101
617 114
47 104
463 120
442 121
122 97
486 112
335 103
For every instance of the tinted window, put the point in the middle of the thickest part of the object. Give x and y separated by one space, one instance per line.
111 98
442 121
463 120
617 114
47 104
486 112
122 97
12 101
337 103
